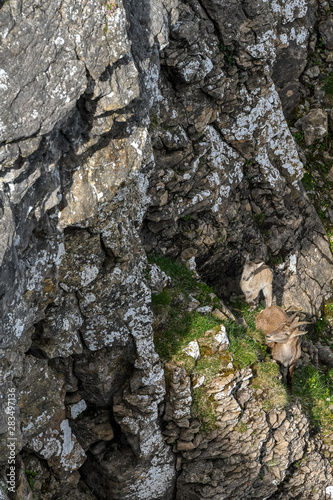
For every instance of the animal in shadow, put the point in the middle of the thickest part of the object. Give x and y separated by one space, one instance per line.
282 337
256 277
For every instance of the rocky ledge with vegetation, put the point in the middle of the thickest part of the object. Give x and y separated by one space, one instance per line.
234 427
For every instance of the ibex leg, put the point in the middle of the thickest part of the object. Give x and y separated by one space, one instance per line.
268 292
250 298
290 376
284 373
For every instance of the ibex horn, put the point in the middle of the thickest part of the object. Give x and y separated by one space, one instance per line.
297 323
304 323
292 318
301 333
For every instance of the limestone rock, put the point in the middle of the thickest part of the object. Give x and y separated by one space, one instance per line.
101 373
325 355
92 428
42 402
314 125
158 280
160 127
58 335
326 32
178 406
192 349
81 261
60 448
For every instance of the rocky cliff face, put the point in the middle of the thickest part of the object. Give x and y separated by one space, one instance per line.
127 128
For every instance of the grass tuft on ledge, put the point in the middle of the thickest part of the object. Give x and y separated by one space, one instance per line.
314 388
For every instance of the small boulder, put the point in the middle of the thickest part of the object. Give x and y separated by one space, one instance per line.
158 280
193 350
326 32
312 72
204 309
325 355
314 125
219 315
221 339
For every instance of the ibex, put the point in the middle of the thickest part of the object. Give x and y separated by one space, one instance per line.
256 277
282 337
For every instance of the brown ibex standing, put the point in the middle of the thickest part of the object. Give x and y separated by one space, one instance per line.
256 277
282 336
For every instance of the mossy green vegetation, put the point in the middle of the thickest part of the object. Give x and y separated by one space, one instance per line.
328 312
164 298
323 326
299 137
249 349
320 325
203 407
179 273
314 388
260 218
242 427
228 58
328 84
30 474
267 378
180 327
237 333
246 349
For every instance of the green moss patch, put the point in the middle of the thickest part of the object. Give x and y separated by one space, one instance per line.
246 344
182 327
204 408
162 299
314 387
328 84
267 380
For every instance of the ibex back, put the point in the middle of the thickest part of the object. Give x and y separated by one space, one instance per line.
282 336
256 277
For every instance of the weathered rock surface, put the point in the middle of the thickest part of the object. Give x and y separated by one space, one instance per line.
314 126
158 126
252 452
227 167
76 158
326 32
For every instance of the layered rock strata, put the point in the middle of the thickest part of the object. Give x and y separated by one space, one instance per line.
151 126
252 453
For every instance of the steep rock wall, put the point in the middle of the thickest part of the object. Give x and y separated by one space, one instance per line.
164 115
228 174
76 324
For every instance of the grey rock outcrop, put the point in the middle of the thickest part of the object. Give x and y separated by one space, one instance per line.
228 170
74 150
314 126
125 129
253 451
326 32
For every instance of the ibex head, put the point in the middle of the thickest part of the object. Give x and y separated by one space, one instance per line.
250 268
281 335
287 330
